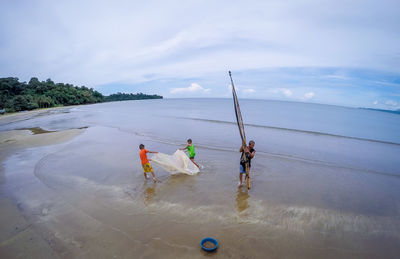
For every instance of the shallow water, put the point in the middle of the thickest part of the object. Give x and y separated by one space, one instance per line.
350 137
314 195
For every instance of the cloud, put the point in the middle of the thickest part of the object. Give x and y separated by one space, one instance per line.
248 91
286 92
239 91
391 103
178 46
309 95
193 88
375 102
83 46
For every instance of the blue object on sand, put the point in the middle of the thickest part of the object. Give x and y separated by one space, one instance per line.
209 239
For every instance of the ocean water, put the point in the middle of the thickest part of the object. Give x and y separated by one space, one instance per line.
325 181
350 137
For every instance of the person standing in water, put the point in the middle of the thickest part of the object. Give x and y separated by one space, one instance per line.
145 162
190 149
249 152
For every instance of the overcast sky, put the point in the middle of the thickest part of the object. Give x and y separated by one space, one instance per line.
334 52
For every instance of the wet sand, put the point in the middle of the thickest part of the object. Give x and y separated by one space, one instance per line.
80 193
17 237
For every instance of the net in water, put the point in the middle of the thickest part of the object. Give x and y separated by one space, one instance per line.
179 162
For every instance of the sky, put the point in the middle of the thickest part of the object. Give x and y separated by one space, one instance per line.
331 52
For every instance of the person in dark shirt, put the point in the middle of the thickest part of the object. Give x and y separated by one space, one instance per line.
249 152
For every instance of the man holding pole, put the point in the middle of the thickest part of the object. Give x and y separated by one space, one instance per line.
249 152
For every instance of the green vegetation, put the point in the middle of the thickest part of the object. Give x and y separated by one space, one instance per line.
19 96
124 97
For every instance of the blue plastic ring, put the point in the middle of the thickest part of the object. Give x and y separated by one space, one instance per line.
209 239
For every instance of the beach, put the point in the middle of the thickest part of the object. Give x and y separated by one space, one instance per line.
72 185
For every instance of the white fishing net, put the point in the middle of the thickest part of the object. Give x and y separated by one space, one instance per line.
179 162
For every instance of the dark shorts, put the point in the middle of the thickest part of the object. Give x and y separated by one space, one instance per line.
242 170
192 157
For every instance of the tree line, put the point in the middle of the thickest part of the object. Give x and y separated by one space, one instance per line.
123 97
19 96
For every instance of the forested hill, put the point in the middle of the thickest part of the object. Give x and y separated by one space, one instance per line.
124 97
19 96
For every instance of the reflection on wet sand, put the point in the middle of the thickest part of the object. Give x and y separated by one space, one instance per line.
242 197
38 130
149 192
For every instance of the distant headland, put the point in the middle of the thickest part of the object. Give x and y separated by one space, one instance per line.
18 96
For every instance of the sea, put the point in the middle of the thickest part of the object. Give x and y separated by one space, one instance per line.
325 180
352 137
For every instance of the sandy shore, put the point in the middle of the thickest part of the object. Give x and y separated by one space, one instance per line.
80 193
25 115
17 238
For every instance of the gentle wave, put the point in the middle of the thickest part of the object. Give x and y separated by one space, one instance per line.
291 130
158 139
